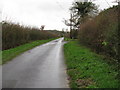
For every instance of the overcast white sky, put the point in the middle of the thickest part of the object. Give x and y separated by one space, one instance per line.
41 12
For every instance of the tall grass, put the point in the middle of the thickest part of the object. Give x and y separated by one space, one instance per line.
14 35
101 33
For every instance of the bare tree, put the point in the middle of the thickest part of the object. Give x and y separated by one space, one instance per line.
42 27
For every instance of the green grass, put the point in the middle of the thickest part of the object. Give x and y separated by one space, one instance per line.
9 54
86 69
67 39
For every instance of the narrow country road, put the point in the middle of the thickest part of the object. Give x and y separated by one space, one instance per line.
40 67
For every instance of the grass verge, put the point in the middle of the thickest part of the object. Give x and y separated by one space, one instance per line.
67 39
9 54
87 69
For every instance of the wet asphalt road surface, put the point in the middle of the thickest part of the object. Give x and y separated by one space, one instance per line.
40 67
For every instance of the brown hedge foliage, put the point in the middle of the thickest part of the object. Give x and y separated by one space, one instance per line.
101 33
14 35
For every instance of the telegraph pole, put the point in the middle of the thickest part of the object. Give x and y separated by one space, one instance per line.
71 25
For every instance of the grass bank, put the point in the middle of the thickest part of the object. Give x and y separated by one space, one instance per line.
67 39
87 69
9 54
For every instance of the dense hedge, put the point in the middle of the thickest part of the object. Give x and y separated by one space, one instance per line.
101 33
14 35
